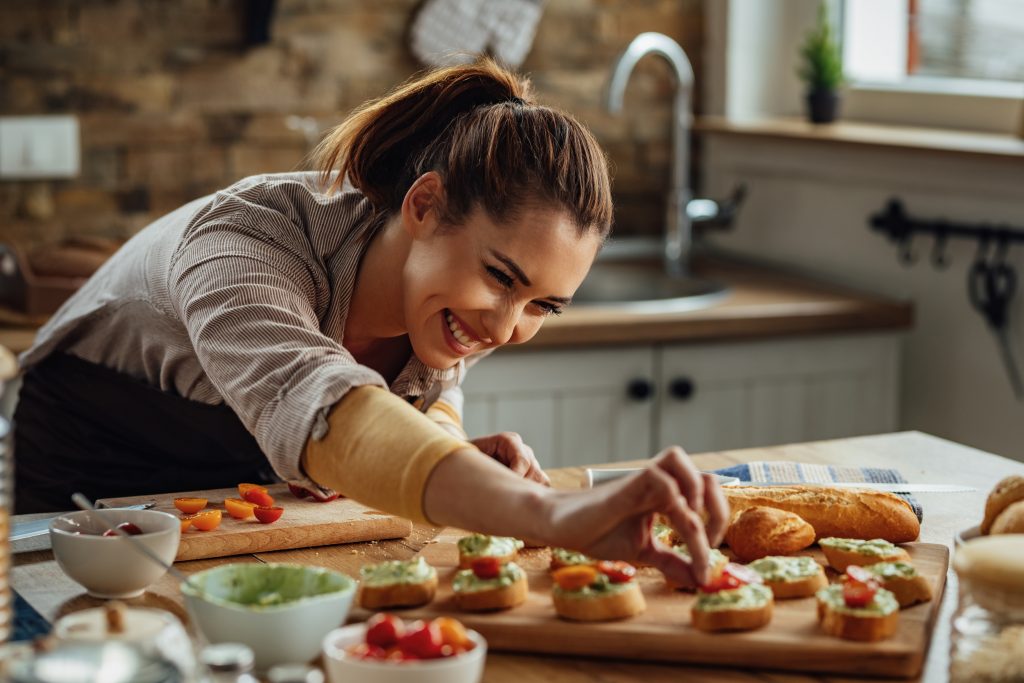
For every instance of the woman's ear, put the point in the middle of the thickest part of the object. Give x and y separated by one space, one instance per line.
422 204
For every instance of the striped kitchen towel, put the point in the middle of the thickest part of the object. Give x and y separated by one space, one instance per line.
784 470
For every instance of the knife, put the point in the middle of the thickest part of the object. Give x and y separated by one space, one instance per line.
599 476
38 527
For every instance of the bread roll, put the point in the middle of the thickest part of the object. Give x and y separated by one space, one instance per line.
1010 520
759 531
1007 492
846 513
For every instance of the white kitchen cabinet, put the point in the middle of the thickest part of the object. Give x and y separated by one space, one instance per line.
586 406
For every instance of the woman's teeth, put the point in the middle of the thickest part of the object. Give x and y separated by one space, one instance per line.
457 332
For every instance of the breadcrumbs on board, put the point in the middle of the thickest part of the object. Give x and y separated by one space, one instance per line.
995 660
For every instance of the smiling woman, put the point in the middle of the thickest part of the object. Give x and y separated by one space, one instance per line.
316 328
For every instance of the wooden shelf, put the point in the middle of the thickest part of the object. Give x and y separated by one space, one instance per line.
988 145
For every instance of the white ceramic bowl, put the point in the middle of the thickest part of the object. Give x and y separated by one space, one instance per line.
465 668
112 567
966 535
282 611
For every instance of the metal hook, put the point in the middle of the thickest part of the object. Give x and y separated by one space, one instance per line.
940 259
906 254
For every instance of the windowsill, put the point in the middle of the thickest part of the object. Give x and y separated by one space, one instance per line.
988 145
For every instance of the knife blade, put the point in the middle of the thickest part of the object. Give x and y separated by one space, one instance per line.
598 476
38 527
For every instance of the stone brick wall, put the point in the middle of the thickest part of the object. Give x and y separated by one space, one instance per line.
174 104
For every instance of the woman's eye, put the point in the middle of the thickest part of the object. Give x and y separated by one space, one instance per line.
549 309
501 276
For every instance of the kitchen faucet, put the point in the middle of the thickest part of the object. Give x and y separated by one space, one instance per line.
682 210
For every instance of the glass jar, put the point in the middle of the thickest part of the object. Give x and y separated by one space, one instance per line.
228 663
987 635
8 370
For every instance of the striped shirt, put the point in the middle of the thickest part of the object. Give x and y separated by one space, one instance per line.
241 298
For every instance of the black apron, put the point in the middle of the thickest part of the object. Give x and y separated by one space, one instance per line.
83 427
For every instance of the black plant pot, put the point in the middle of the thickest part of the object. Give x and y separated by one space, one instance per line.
822 106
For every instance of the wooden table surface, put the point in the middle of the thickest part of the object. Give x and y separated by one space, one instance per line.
920 457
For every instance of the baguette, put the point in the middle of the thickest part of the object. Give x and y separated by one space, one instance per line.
759 531
397 584
480 545
847 513
737 609
843 552
876 622
903 581
508 589
624 601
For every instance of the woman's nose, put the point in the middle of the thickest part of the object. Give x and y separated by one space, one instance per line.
500 325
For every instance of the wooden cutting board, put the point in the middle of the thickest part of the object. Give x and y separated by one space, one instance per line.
792 640
304 524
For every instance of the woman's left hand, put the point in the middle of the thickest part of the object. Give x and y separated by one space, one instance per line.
508 449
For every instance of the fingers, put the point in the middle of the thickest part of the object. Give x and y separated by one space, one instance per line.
717 508
509 449
675 567
691 481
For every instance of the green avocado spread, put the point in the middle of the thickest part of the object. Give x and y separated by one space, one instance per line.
466 581
875 547
883 604
892 570
750 596
779 568
570 557
397 571
482 545
715 559
602 585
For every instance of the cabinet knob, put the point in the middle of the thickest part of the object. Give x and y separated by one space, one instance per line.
682 388
640 389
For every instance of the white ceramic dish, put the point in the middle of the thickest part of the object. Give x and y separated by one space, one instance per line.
966 535
281 611
111 567
465 668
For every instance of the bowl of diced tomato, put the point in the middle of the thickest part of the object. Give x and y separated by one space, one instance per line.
107 565
387 649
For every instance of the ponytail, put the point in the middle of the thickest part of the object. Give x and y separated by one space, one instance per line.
478 128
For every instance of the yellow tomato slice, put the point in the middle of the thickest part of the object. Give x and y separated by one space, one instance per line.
575 577
190 506
239 509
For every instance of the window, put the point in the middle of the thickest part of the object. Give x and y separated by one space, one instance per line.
921 43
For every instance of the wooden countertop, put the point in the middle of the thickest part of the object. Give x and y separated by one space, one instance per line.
920 458
762 302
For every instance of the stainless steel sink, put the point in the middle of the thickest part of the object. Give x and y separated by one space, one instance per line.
643 286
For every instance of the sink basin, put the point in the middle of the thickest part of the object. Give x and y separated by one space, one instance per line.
643 286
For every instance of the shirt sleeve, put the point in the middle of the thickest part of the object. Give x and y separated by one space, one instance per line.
249 307
447 411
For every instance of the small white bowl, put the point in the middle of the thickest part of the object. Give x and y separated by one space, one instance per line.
966 534
282 611
112 567
341 668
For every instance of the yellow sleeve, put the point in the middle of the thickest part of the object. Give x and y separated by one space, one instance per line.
380 451
445 414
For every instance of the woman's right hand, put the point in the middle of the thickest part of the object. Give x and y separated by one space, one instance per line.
613 521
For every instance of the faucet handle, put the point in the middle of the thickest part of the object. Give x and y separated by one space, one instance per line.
712 213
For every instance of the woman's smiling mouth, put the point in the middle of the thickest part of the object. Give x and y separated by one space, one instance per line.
459 335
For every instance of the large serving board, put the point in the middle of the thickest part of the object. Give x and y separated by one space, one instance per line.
304 524
792 641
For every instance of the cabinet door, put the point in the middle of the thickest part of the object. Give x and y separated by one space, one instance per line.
572 407
735 395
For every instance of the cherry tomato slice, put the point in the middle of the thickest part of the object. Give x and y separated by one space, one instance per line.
190 506
575 577
126 527
857 594
617 572
208 520
384 630
422 641
299 492
453 634
239 509
733 576
267 515
486 567
260 498
186 522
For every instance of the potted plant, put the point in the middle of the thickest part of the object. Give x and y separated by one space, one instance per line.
821 68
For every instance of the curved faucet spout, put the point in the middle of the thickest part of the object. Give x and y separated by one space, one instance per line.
677 223
641 46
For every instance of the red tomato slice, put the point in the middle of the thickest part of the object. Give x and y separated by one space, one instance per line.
298 491
486 567
857 594
267 515
384 630
260 498
422 641
733 576
617 572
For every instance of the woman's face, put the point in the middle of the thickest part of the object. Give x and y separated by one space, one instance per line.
482 285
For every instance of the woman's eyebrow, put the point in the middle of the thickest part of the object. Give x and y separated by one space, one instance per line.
521 276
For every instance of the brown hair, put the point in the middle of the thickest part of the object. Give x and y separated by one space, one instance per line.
477 127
